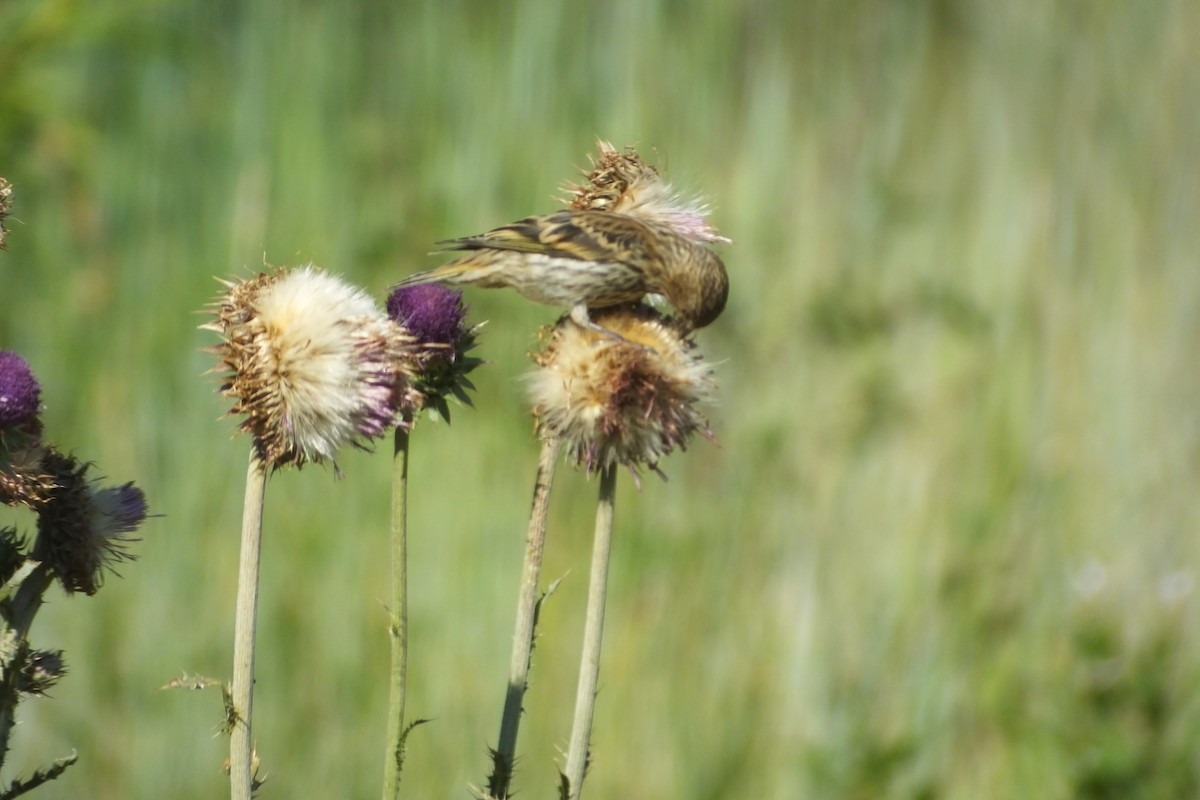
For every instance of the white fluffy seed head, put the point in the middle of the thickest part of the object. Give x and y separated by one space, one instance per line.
623 183
630 400
313 363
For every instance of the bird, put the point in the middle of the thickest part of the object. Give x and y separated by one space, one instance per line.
583 259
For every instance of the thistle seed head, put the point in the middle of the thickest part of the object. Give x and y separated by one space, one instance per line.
630 400
623 183
311 362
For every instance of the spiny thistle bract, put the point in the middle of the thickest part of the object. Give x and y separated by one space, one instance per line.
311 362
41 671
83 527
630 400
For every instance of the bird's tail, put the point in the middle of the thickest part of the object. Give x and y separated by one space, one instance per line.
477 268
418 278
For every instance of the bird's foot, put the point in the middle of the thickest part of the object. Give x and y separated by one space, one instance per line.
579 315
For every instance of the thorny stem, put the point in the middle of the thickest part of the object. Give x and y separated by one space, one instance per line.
241 773
523 631
589 664
18 617
398 627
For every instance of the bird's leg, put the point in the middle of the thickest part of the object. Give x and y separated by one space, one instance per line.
579 315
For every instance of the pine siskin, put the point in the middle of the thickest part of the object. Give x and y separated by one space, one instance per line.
590 259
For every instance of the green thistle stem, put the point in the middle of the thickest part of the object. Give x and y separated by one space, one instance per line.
589 665
18 612
523 632
241 772
398 627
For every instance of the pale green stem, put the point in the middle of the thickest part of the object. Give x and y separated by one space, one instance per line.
523 632
241 773
18 617
589 663
398 626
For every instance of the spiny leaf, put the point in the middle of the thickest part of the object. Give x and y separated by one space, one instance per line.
500 779
400 746
20 787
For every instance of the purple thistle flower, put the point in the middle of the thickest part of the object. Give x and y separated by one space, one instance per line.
119 509
20 395
436 317
431 313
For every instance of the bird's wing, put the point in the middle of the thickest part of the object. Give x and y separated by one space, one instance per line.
582 235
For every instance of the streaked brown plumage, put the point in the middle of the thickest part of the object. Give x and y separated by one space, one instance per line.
590 259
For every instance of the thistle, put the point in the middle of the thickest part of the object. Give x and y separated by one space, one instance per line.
20 394
82 527
435 318
628 400
618 382
83 530
312 364
623 183
23 480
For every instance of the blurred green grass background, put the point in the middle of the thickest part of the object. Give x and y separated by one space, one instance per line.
947 545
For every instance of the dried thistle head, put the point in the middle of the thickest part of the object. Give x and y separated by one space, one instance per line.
23 480
82 527
5 208
623 183
311 362
436 318
629 400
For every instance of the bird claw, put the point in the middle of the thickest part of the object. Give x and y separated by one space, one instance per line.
579 315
